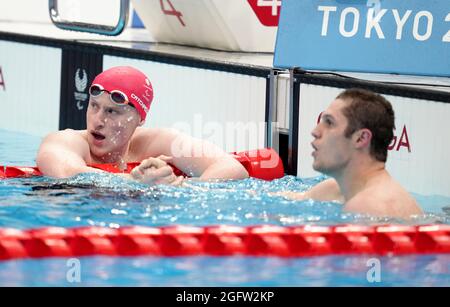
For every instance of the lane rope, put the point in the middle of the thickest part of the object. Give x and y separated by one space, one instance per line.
223 240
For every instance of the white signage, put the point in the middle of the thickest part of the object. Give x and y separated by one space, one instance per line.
29 88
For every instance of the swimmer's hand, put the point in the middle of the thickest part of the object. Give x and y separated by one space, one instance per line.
154 171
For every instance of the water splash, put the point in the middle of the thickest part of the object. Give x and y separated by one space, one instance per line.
105 199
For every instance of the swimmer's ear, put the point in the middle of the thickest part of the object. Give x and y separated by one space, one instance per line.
141 122
363 138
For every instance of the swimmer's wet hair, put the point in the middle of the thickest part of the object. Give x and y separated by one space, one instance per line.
366 109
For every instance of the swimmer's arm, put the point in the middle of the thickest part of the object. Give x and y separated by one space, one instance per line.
327 190
61 155
198 158
225 167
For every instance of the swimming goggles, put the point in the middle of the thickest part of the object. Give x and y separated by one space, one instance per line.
116 96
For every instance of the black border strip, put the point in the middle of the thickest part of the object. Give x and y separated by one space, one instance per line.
376 86
147 55
292 166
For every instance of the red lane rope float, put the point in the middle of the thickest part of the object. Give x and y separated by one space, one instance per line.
265 240
261 163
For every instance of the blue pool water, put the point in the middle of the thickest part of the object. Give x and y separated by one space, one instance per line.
430 270
105 200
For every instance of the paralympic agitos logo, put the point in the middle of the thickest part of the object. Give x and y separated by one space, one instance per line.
80 80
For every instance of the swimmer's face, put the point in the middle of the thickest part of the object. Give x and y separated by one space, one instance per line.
332 149
109 126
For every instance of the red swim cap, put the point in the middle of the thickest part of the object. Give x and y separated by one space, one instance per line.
132 83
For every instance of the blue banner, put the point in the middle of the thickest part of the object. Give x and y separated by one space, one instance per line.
382 36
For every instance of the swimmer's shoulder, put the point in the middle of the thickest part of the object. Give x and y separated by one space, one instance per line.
148 142
71 133
400 201
144 143
389 201
153 133
67 138
62 145
327 190
144 133
396 195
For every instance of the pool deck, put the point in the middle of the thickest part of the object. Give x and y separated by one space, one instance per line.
140 39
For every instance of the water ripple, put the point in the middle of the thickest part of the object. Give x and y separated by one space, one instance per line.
111 201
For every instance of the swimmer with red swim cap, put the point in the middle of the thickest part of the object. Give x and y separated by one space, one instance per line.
120 100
